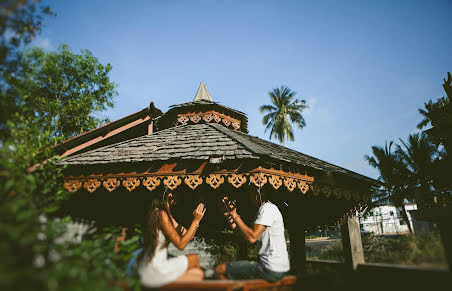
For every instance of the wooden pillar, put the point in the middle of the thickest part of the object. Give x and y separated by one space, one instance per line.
352 244
296 227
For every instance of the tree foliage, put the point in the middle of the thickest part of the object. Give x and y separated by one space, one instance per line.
61 90
284 111
46 97
439 115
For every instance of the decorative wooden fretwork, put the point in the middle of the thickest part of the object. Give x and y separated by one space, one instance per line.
275 181
111 184
91 185
327 191
347 194
172 182
315 189
303 186
182 119
195 118
131 183
208 117
151 183
236 125
215 180
193 181
290 183
237 180
72 185
258 179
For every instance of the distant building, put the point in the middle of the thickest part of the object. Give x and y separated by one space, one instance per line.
387 219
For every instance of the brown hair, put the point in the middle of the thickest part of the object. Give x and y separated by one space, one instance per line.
152 225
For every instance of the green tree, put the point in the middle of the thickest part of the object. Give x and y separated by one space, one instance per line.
63 91
418 154
284 111
394 175
20 22
439 115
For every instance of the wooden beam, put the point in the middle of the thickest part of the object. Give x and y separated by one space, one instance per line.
297 227
352 244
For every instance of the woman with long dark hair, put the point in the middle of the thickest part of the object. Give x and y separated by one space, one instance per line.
154 266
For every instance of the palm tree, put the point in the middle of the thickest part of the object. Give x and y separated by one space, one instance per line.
283 111
418 154
394 175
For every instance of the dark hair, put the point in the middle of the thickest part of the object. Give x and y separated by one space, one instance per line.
152 225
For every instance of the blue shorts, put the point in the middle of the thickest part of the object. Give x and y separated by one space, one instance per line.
240 270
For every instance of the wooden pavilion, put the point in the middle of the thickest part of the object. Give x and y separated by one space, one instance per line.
202 150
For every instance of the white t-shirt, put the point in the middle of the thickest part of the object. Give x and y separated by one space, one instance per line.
272 243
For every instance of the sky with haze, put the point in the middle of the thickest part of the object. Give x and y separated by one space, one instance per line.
363 67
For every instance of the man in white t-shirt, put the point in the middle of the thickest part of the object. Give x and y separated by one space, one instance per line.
268 232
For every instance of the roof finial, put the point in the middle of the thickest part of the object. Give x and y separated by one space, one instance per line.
202 94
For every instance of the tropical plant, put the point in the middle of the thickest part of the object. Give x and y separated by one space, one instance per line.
439 115
393 173
418 154
283 111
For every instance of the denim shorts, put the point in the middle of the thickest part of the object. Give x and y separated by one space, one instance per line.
240 270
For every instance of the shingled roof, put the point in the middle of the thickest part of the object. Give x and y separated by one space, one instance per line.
201 142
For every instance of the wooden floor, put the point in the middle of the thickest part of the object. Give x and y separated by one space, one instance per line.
287 283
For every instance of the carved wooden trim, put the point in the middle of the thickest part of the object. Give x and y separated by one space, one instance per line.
215 180
316 189
236 125
151 183
195 118
275 181
72 185
91 185
258 179
303 186
111 184
237 180
182 119
290 184
208 117
131 183
172 182
193 181
327 191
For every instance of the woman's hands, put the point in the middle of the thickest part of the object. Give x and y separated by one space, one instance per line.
198 213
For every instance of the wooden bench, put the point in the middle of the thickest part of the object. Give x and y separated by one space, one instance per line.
286 283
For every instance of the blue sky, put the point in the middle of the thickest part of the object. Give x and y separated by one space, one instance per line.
364 67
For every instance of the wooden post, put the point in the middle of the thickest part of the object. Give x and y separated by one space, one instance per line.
352 244
296 228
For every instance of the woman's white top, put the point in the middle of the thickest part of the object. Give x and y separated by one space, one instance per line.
162 270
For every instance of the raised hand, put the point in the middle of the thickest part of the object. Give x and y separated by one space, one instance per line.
198 213
230 206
